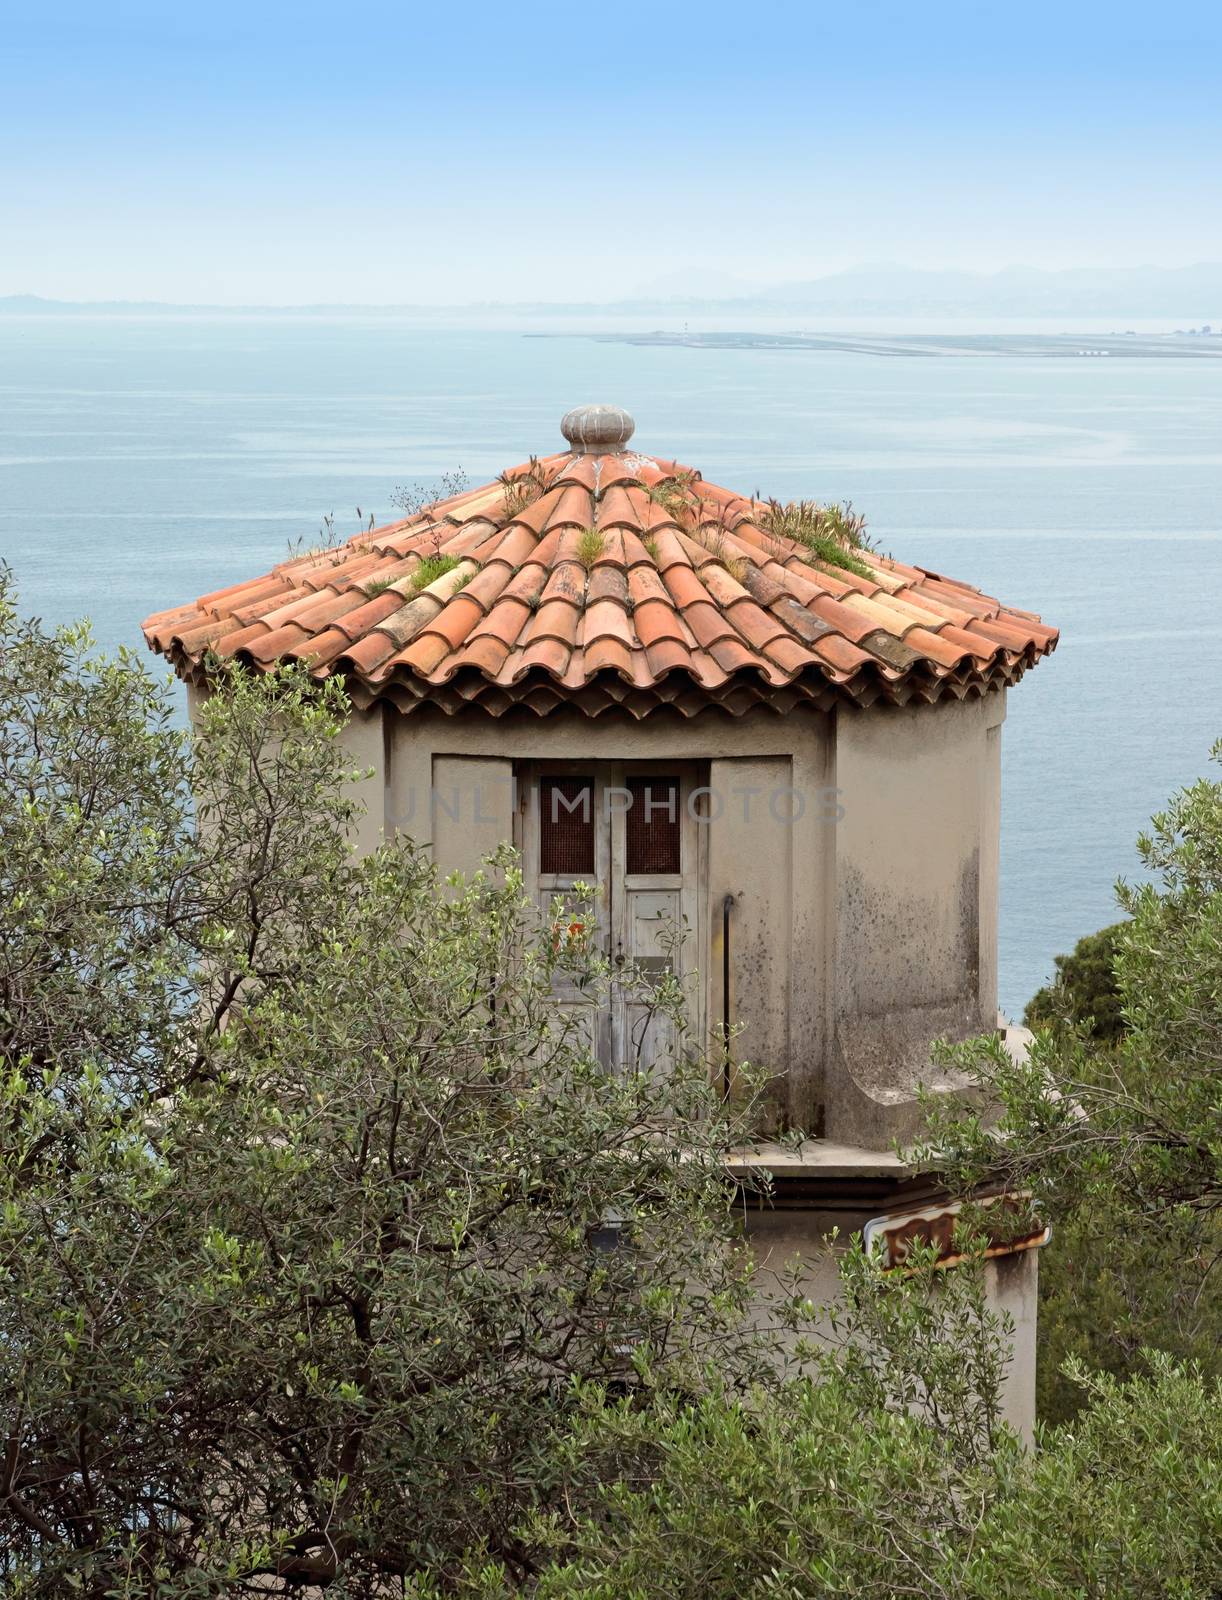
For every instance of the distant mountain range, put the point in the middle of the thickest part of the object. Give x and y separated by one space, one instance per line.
1186 294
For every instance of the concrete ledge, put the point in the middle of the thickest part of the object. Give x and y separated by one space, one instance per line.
823 1158
826 1175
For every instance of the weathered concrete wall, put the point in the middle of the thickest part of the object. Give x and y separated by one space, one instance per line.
860 849
751 860
915 904
781 1237
362 743
472 810
855 940
1012 1284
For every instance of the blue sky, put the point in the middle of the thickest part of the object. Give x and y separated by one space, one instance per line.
372 153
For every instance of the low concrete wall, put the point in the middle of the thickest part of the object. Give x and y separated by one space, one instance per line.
781 1237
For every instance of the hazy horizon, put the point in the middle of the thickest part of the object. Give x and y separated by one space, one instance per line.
1140 295
284 156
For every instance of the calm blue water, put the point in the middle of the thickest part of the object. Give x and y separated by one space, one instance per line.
144 462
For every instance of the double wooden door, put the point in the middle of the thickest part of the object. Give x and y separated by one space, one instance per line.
632 832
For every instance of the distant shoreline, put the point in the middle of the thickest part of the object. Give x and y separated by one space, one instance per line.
728 327
1067 346
919 337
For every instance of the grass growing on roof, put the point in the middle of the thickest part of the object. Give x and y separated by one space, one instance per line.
674 495
832 534
521 489
413 498
714 541
330 542
591 542
432 568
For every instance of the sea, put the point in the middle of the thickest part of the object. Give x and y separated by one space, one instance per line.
148 459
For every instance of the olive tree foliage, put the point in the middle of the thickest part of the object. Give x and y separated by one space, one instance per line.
1120 1135
887 1472
814 1493
300 1166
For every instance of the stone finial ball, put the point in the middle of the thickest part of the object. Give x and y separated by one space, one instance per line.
594 428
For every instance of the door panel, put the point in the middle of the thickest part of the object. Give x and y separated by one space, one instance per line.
565 849
647 851
653 926
654 908
650 912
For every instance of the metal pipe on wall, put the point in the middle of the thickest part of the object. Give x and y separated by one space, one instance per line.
727 905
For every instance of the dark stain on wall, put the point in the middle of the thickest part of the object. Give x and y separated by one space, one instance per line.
900 950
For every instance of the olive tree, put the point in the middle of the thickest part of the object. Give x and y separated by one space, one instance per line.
1118 1131
809 1493
303 1172
885 1472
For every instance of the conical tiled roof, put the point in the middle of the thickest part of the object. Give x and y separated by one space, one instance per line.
607 580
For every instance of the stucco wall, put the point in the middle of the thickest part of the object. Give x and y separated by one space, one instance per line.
471 809
751 860
363 748
861 852
915 919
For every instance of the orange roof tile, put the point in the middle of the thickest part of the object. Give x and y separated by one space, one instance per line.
687 599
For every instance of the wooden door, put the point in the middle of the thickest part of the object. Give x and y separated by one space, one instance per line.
566 853
654 907
632 831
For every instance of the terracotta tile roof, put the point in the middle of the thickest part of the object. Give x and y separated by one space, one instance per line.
607 579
